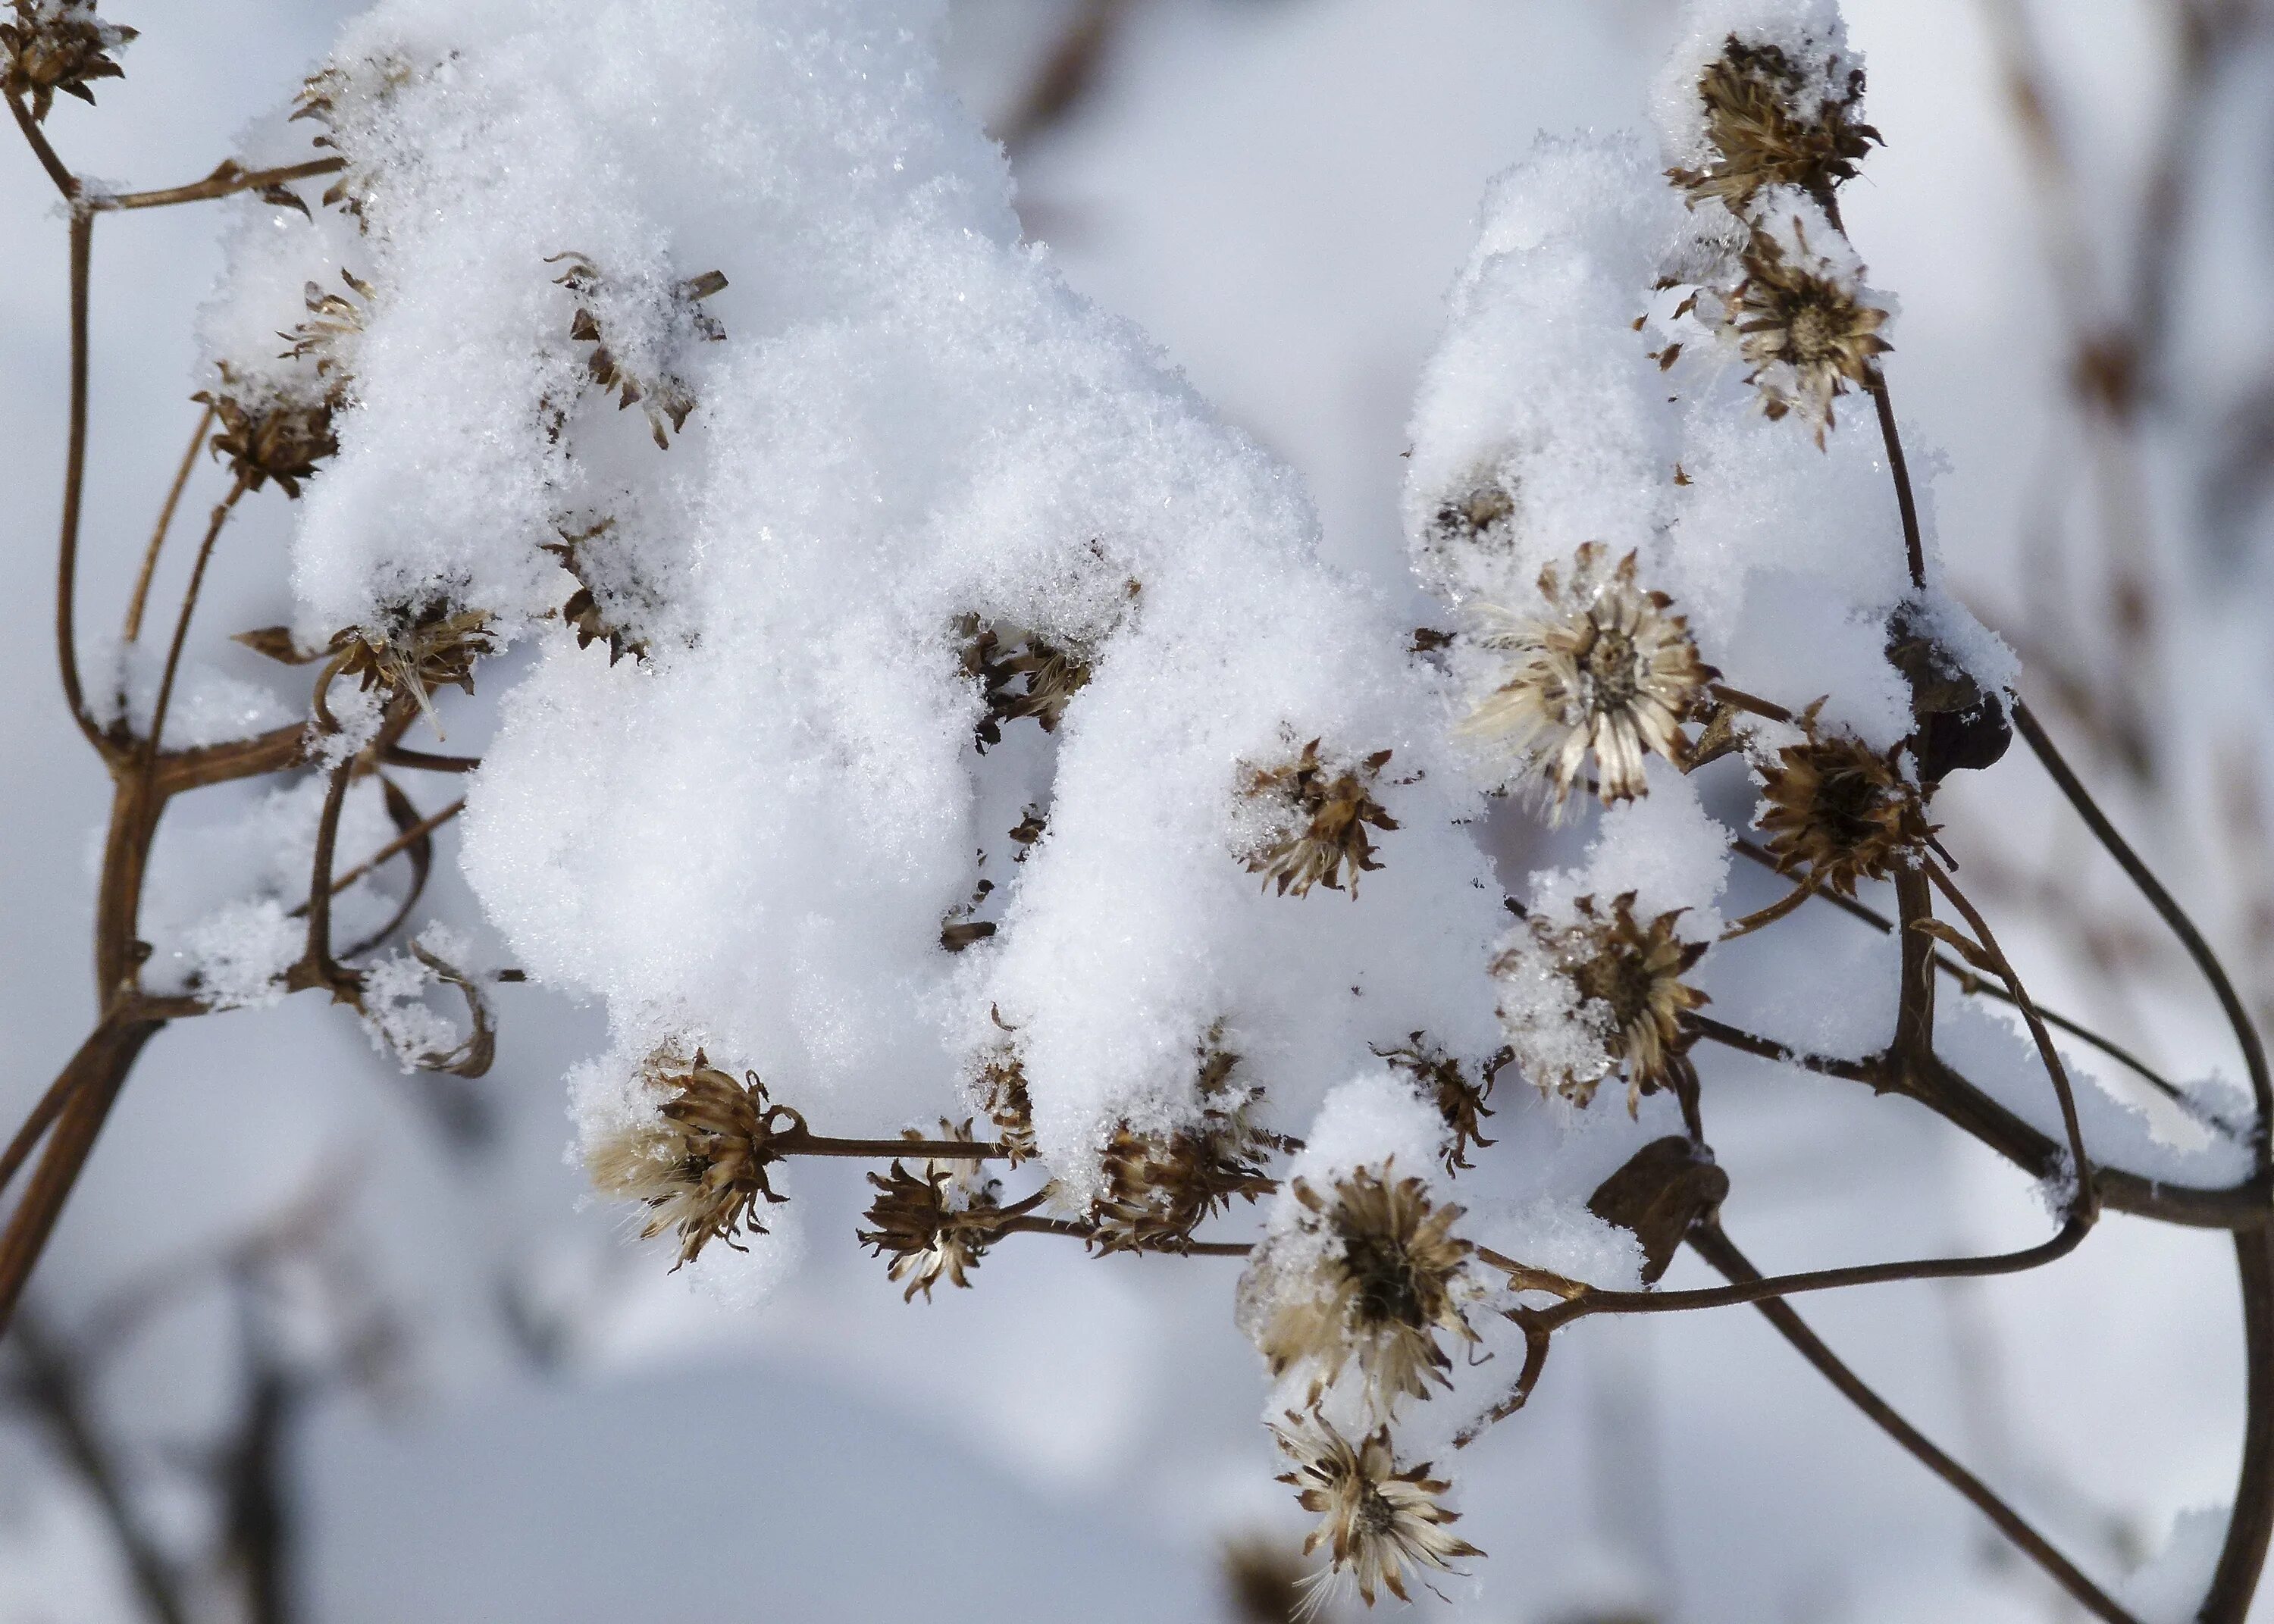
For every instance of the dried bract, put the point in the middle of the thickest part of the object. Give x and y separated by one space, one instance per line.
1630 995
55 45
1836 811
1389 1275
1321 814
1002 1083
1031 676
1772 124
934 1223
1160 1186
1444 1080
1803 323
265 436
659 391
341 97
412 653
1605 670
699 1164
583 612
1378 1521
334 323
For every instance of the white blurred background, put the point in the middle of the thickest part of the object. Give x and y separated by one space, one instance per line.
318 1342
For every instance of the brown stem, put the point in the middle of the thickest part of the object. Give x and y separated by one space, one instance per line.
1973 985
190 595
66 181
98 1070
934 1150
423 761
226 178
54 1385
1083 1232
317 967
1914 1005
2249 1524
1738 699
396 848
82 243
1707 1239
2167 909
134 605
35 1126
2086 1202
1906 503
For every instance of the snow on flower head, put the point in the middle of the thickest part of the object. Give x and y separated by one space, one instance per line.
1605 670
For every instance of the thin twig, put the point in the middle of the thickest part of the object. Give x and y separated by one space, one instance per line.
225 179
1084 1233
82 243
402 843
1707 1239
1906 503
66 181
190 594
133 626
2167 908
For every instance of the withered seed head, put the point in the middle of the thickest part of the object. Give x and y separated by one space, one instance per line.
1770 124
699 1164
934 1223
1003 1080
1376 1520
1629 975
415 654
583 611
665 397
1033 677
1603 669
1804 328
267 437
53 45
1391 1275
1159 1186
1836 811
1445 1081
1322 815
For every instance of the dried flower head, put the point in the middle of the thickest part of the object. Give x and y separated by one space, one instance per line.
1382 1275
584 612
341 97
699 1163
1445 1082
934 1223
1836 811
1031 676
1377 1521
417 653
1160 1186
53 45
265 436
335 322
658 390
1481 513
1803 323
1002 1083
1319 815
1624 979
1772 124
1606 669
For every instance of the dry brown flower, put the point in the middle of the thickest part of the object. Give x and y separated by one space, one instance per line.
1837 811
1321 817
698 1164
1479 513
936 1223
583 612
664 396
55 45
1803 324
264 436
1627 977
333 321
1002 1081
1604 670
340 95
1025 675
1772 124
415 653
1445 1081
1382 1274
1376 1521
1160 1186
